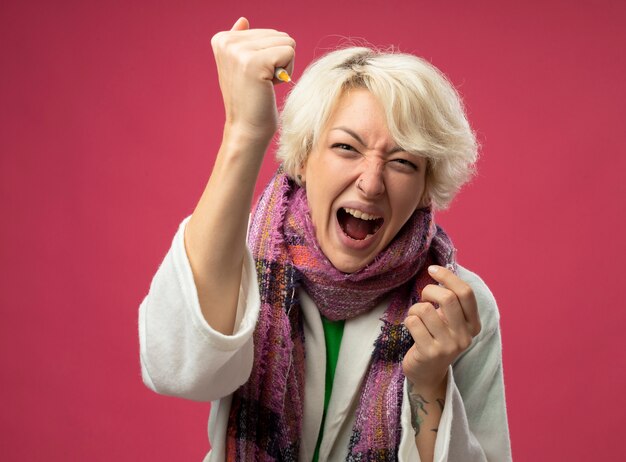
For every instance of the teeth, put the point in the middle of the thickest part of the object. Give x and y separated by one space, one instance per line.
360 240
361 215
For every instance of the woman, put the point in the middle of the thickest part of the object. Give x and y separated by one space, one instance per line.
343 267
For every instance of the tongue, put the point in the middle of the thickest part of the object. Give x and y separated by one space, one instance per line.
356 228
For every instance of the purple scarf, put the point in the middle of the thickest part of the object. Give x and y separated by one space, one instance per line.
266 412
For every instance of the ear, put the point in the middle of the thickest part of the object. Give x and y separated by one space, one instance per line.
425 201
301 174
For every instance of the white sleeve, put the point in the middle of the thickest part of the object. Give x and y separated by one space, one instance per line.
473 426
181 355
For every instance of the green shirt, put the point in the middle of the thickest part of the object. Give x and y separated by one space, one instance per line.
333 331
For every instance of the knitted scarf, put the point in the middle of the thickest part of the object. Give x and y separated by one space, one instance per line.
265 419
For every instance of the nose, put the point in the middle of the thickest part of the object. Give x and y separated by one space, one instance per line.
371 182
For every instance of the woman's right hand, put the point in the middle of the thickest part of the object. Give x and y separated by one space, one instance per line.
246 60
215 236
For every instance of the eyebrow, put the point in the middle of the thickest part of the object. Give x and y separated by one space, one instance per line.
354 135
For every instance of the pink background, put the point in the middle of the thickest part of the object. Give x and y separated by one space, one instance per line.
109 120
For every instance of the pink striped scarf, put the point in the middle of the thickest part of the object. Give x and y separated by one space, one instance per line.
266 412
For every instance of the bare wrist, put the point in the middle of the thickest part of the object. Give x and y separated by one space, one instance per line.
246 135
430 387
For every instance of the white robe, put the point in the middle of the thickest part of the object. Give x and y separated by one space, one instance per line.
181 355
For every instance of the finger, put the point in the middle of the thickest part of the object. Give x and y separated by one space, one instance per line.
419 332
272 41
411 360
246 40
431 320
448 303
277 57
256 33
411 357
463 292
241 24
291 66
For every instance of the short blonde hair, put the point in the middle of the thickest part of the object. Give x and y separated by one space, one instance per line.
424 112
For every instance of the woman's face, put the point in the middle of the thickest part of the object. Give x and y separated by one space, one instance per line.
361 187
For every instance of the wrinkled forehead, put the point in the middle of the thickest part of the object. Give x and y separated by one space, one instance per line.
399 119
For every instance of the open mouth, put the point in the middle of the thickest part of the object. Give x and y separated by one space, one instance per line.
358 225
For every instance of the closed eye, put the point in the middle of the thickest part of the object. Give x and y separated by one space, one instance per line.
343 146
405 163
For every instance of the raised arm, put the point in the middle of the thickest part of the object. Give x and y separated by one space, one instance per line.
215 235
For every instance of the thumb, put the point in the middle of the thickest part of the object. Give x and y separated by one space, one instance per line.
410 360
241 24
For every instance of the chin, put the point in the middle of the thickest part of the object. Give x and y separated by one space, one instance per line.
349 265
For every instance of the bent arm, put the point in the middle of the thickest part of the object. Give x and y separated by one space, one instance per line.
181 354
216 233
477 421
215 237
473 425
192 343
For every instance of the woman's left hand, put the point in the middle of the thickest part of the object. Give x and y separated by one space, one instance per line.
442 334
